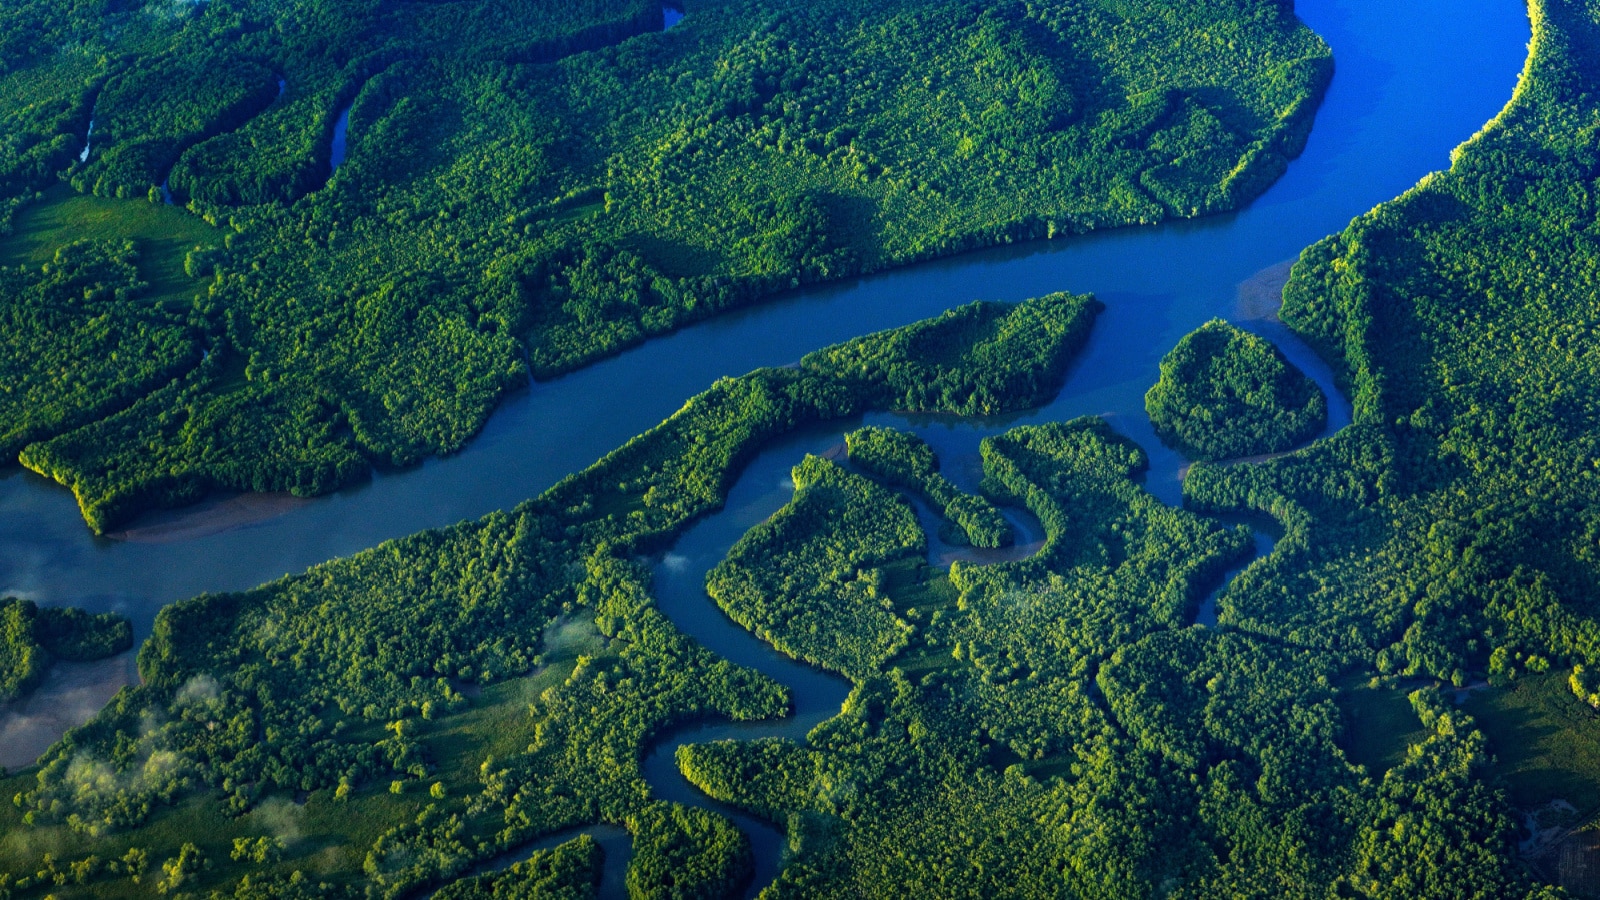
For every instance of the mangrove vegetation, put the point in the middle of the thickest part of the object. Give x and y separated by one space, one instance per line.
528 187
32 637
1410 667
1226 393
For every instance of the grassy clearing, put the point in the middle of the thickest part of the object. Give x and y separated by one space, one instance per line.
1379 725
164 235
1546 742
920 593
322 836
325 837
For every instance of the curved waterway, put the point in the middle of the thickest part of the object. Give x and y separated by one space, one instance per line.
340 143
1414 80
166 182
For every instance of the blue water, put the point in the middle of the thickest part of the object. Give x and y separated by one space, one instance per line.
341 139
1404 95
1414 80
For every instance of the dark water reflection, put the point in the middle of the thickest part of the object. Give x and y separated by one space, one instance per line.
341 139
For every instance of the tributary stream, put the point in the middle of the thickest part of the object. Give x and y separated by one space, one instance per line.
1414 79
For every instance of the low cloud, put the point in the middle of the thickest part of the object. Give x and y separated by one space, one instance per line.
280 818
199 689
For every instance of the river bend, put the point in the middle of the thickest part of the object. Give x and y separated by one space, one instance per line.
1413 80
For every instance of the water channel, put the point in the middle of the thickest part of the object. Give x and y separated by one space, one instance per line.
1414 79
341 138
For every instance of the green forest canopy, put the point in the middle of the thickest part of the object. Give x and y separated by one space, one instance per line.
903 459
1054 726
530 186
1225 393
352 682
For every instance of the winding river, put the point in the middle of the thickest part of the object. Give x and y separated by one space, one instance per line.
340 144
1414 80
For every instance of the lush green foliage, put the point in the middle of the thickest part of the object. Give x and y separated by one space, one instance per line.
149 113
22 660
1060 731
906 460
1049 727
1453 529
31 637
1380 722
568 872
1116 563
349 682
1546 744
978 359
807 580
1437 830
44 107
76 636
1225 393
79 344
529 187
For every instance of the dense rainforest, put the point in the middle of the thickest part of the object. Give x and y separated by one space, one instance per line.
1225 393
1055 726
355 683
420 204
1453 529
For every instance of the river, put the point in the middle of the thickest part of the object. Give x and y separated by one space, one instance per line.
1414 79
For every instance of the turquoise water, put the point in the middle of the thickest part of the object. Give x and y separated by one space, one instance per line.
1414 80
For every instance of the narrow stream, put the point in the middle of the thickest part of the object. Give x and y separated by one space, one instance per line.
761 490
679 585
1405 94
679 578
1027 532
166 183
614 841
1263 544
341 139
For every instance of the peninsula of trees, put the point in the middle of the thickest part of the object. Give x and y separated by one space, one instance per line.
1055 726
31 638
527 187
